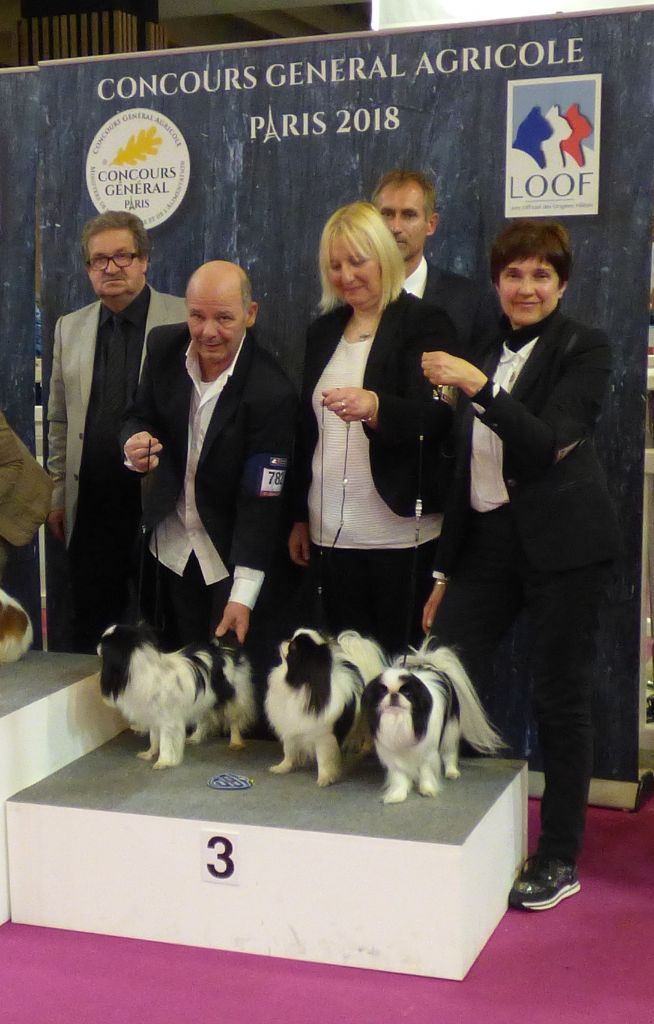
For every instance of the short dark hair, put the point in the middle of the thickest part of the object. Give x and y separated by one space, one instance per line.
409 176
116 220
522 239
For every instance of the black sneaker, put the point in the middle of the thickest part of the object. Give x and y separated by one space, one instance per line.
542 883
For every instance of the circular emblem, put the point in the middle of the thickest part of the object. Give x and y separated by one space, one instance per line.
138 162
230 780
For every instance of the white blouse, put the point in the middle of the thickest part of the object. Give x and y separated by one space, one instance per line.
343 500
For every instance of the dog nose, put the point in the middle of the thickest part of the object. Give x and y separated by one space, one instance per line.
395 700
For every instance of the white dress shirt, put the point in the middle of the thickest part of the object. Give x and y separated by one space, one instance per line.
416 282
487 488
182 532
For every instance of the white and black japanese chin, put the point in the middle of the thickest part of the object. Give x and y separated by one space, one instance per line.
417 712
313 700
208 686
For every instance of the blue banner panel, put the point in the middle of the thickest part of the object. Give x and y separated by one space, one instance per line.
243 152
19 124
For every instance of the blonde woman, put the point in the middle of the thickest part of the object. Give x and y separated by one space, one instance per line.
369 434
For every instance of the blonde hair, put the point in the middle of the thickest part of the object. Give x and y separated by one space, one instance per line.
361 227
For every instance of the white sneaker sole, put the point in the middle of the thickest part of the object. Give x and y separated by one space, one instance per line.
562 894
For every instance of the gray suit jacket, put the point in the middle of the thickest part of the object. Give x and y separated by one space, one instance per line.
70 388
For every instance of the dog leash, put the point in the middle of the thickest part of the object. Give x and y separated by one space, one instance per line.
141 572
321 546
343 486
413 579
157 613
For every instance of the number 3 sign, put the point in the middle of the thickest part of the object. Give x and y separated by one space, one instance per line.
219 858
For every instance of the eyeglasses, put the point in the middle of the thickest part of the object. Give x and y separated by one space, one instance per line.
120 259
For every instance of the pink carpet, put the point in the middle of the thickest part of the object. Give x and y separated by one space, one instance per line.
589 960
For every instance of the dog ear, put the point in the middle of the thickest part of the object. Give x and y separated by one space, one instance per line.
421 704
310 664
373 694
115 666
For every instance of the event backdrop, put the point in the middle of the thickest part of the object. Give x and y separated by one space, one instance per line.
243 152
19 126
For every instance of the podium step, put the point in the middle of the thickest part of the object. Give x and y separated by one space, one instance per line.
51 713
283 868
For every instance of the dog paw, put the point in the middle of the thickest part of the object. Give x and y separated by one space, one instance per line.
394 797
195 738
452 773
283 768
145 755
427 789
327 780
160 765
237 745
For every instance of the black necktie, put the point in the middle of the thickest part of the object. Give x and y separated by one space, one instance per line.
114 392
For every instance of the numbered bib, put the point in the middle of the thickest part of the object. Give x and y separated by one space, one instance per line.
265 474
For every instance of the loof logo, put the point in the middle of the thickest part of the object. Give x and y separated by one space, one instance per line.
553 146
138 161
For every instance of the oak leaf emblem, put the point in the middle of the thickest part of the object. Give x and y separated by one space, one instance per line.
139 147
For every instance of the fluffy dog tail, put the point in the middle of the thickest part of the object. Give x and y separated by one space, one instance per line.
476 728
364 653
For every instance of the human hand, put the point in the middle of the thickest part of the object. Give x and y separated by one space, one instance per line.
298 544
56 523
431 605
236 617
441 368
142 451
352 404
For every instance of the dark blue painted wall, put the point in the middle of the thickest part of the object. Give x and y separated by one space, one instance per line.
18 162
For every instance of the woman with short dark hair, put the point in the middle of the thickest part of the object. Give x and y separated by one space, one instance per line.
529 524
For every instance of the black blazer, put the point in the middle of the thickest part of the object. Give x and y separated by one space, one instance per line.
557 491
473 310
252 424
407 408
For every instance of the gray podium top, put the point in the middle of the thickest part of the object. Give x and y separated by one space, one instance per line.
112 778
40 674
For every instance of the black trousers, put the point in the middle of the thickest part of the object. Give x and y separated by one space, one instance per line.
192 610
379 592
103 560
491 583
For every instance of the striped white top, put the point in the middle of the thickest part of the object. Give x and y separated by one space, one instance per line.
365 520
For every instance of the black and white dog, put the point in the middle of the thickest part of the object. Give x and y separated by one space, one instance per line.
314 698
208 686
417 711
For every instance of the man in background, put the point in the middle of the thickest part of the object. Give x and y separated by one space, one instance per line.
98 351
406 199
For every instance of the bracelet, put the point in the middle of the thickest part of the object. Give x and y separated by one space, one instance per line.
373 414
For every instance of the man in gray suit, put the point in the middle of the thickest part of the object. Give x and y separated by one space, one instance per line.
406 199
98 353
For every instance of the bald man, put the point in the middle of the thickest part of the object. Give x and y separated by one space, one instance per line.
212 424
